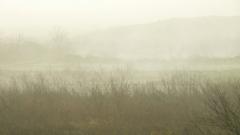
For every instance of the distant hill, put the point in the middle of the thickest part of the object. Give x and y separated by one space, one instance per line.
177 37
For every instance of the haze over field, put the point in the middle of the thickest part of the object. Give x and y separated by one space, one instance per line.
119 67
153 29
179 37
103 30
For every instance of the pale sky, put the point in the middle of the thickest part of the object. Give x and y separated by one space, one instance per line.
94 14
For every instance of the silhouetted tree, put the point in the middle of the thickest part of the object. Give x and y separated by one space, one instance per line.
59 39
222 106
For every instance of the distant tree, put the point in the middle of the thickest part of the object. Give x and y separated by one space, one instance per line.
58 36
2 39
2 42
17 40
19 47
59 39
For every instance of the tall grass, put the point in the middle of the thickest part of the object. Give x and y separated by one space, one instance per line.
179 103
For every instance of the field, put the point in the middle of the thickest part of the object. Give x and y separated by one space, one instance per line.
119 67
174 77
120 101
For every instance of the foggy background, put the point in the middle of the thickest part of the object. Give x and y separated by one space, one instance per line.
104 31
119 67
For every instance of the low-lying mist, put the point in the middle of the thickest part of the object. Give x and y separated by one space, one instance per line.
173 77
175 43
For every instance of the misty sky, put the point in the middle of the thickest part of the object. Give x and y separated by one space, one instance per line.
94 14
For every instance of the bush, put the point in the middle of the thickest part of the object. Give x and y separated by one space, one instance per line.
113 104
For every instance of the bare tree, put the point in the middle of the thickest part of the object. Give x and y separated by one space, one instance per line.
222 106
59 39
17 40
2 39
58 36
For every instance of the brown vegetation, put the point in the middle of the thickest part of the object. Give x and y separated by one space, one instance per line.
181 103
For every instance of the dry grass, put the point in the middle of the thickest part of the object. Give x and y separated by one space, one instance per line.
181 103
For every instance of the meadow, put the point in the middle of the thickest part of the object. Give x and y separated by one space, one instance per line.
119 102
172 77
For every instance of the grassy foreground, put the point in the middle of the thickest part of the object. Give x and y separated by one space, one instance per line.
179 103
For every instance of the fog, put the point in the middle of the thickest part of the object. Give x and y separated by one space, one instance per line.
119 67
182 33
